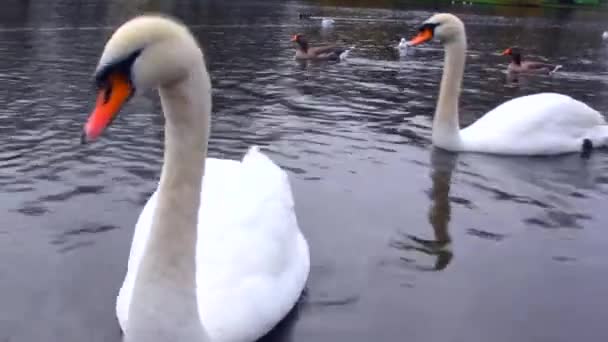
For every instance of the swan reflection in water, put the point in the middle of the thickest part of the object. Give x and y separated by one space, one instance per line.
442 167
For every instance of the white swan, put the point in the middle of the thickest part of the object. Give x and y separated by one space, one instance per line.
224 264
540 124
327 22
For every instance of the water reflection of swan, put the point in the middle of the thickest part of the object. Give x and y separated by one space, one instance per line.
442 166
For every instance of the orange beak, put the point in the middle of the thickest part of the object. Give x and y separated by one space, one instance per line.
423 36
109 101
506 52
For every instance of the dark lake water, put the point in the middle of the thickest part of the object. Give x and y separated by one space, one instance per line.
516 249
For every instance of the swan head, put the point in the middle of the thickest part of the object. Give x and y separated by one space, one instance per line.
446 27
146 52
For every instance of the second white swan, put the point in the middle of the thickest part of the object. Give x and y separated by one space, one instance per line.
539 124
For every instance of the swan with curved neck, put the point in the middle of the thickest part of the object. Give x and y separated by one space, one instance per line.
217 254
539 124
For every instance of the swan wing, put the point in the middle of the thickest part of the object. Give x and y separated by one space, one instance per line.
545 123
252 259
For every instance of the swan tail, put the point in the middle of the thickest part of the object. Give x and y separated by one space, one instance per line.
598 137
254 149
254 155
274 179
258 159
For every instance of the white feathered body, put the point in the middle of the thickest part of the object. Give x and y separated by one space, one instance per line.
252 261
539 124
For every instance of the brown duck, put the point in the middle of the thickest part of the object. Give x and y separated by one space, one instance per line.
306 52
519 66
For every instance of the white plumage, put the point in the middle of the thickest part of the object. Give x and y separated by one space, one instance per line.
217 254
327 22
539 124
252 261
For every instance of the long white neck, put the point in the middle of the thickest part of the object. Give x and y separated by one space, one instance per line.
446 130
164 302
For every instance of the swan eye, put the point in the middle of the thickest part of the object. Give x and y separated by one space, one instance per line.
428 26
120 67
107 94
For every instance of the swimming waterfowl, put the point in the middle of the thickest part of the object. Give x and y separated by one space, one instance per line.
327 22
539 124
217 254
305 52
520 66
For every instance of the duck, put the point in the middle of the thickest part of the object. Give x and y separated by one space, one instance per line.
305 52
519 66
537 124
217 254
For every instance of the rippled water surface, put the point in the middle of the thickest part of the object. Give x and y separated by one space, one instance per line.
380 207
